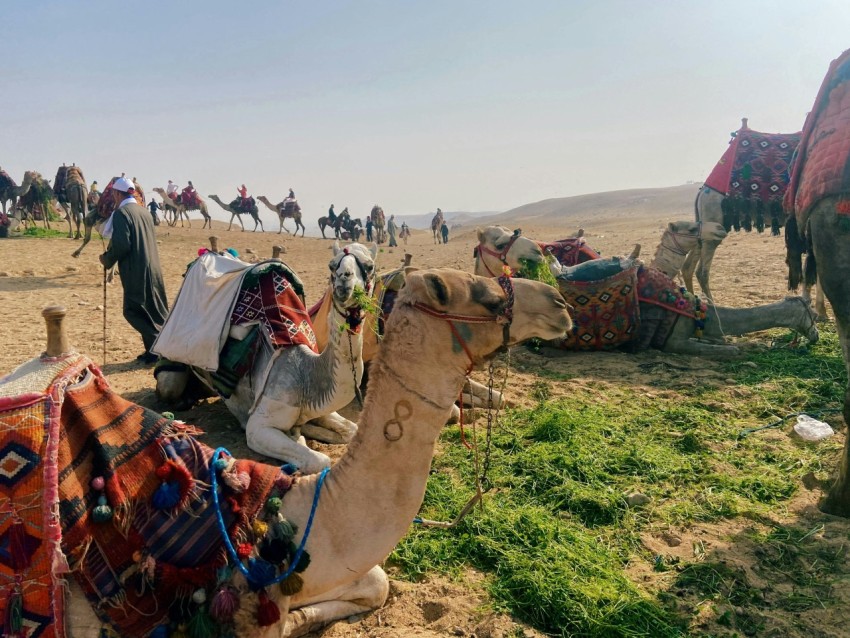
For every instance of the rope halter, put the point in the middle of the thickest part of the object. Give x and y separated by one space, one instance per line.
354 315
504 317
501 255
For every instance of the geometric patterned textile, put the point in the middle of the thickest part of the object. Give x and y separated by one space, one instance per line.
607 312
31 560
570 251
656 288
823 163
271 300
753 173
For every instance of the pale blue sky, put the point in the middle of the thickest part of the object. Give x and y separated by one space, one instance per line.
413 105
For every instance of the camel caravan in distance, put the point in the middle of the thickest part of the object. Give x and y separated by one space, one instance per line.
157 529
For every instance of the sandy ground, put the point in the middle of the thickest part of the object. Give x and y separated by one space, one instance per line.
748 270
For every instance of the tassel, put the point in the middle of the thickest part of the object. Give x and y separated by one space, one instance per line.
102 513
292 585
237 481
161 631
176 476
268 613
167 496
201 625
282 529
243 550
14 612
224 605
289 468
273 505
274 551
19 549
260 573
260 527
304 561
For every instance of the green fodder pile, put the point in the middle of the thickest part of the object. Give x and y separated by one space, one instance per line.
538 271
557 533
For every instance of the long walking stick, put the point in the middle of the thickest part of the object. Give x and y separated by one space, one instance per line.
104 315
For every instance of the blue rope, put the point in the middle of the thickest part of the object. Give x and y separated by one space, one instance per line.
223 529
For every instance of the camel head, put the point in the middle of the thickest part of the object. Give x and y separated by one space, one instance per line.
499 247
481 311
352 268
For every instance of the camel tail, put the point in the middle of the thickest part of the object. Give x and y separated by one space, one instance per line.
795 246
811 268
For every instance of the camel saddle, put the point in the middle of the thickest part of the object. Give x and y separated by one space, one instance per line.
137 526
291 206
822 166
570 251
190 200
245 205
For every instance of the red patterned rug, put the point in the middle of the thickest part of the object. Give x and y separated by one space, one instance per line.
570 251
823 164
753 173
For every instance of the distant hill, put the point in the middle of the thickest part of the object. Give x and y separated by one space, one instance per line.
423 220
674 201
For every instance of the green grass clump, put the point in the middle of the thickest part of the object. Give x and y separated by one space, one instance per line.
538 271
556 533
37 231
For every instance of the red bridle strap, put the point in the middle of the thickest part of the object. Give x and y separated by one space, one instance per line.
501 255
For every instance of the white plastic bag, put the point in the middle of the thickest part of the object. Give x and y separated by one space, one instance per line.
810 429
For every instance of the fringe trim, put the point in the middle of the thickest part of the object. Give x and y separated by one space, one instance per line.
795 246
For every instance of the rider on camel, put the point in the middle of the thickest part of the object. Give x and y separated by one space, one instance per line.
243 192
171 190
189 195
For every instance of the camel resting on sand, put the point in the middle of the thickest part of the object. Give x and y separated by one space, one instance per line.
792 312
303 390
365 503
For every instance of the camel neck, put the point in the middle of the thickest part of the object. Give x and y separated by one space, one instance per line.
373 493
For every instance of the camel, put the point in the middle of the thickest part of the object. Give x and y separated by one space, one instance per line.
39 198
74 197
11 192
182 209
236 212
169 210
283 211
516 253
436 224
303 390
711 206
378 223
365 504
818 201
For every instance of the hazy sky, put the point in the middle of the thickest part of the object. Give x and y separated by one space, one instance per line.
462 105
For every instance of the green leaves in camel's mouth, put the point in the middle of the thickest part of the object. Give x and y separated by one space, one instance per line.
538 271
365 304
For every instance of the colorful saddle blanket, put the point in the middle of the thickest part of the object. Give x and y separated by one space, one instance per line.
754 173
245 205
822 167
136 519
570 251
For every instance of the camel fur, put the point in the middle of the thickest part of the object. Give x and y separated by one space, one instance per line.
378 223
11 192
371 495
236 213
436 224
792 312
282 214
303 390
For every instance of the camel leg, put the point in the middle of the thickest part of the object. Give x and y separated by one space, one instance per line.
701 349
365 594
171 384
707 251
331 428
829 244
820 304
688 268
267 432
478 395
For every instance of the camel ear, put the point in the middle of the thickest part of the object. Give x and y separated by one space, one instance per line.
437 289
374 250
409 269
335 247
480 235
671 227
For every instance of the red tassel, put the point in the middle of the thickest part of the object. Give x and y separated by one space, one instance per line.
173 471
19 550
268 613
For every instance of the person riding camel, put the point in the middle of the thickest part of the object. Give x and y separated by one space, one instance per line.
189 194
171 190
93 188
243 193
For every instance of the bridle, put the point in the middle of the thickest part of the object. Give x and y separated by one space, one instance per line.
677 248
353 317
505 317
501 255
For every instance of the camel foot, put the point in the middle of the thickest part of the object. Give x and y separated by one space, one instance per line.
78 236
331 428
821 318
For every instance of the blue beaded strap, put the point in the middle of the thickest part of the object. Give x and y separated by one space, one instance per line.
223 529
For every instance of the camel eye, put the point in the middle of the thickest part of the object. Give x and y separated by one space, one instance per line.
501 244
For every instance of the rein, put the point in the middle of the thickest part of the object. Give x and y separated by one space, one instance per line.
222 528
501 255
